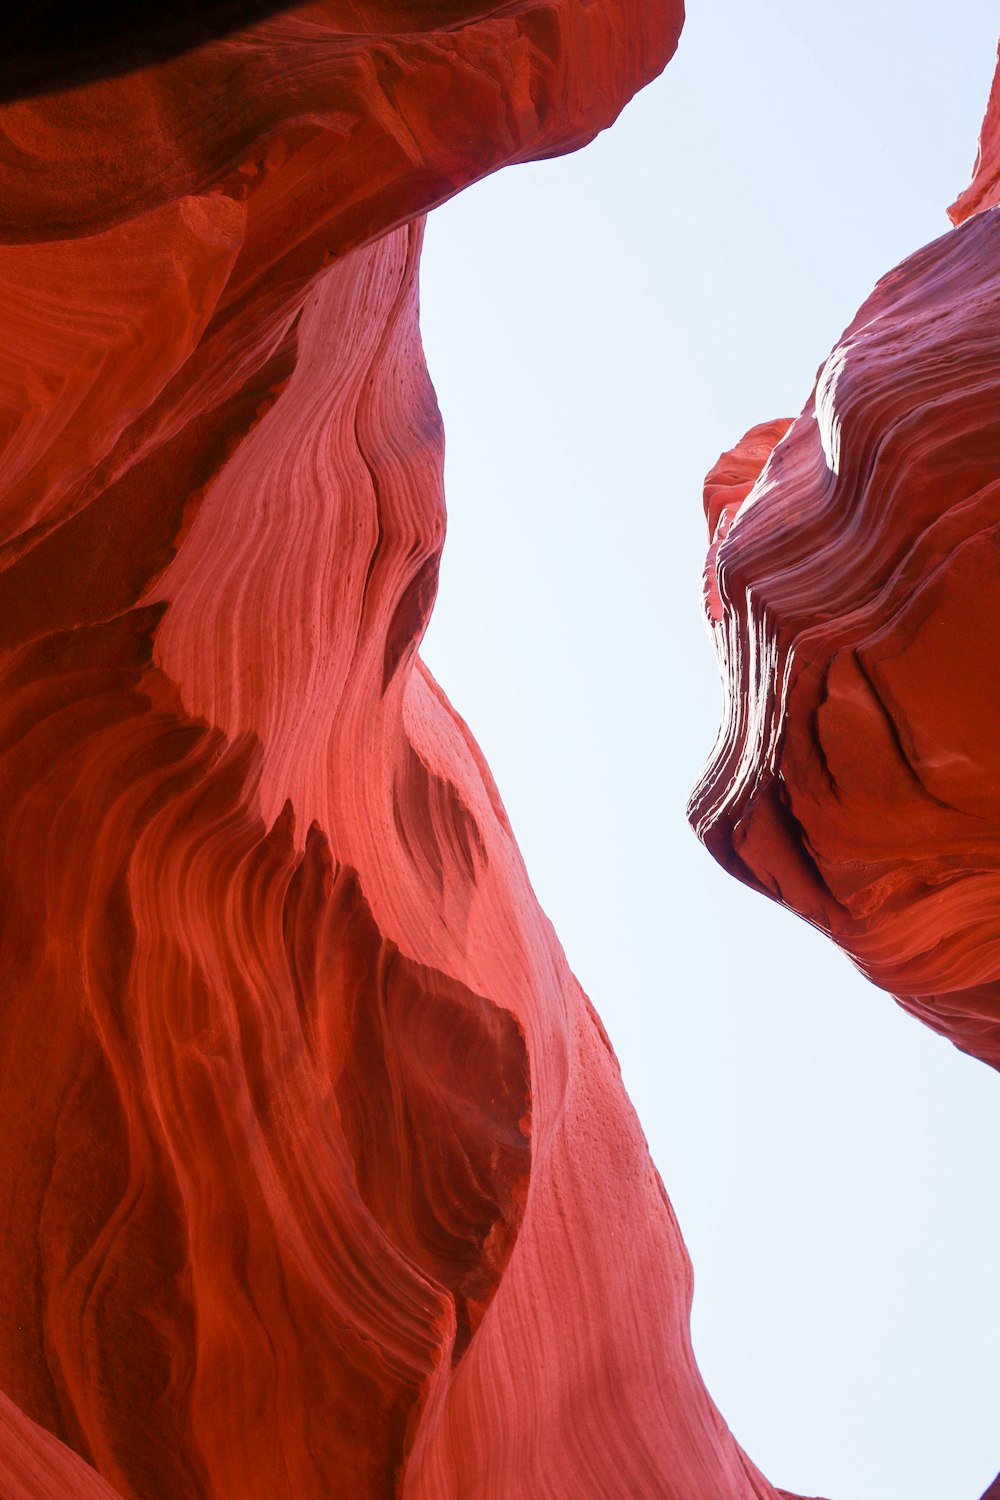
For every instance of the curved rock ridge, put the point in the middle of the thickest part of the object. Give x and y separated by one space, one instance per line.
319 1176
856 774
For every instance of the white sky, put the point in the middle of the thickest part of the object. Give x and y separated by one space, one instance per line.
598 328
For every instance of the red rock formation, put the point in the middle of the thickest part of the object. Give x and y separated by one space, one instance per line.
854 601
984 189
319 1177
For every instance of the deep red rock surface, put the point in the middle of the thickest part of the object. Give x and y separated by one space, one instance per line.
318 1175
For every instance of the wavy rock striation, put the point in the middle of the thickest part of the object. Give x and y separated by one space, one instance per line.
319 1177
853 594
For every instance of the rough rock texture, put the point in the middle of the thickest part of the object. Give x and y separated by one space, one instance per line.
318 1174
854 601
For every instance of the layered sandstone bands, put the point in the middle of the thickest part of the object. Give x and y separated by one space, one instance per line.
319 1177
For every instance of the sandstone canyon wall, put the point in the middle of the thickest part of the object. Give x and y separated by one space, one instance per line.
318 1175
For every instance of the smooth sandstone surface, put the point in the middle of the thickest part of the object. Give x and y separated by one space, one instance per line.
318 1173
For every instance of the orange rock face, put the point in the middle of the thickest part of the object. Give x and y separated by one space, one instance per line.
318 1174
